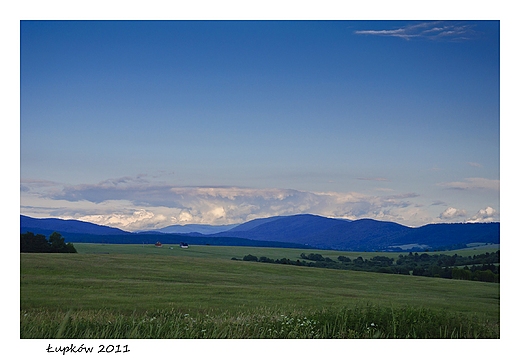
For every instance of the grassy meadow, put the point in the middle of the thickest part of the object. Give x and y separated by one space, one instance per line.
136 291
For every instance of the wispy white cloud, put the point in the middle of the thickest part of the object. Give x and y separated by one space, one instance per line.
140 202
134 203
485 215
433 30
378 179
474 164
452 213
130 220
27 184
473 184
438 203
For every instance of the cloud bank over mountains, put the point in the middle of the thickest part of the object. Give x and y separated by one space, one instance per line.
137 203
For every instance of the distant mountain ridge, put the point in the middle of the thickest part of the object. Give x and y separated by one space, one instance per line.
84 232
194 228
367 234
301 231
295 228
29 224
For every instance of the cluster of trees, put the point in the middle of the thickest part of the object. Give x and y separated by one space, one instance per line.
483 267
38 243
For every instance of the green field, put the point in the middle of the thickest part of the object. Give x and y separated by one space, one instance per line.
77 295
226 252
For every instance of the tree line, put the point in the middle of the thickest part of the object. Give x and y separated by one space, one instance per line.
38 243
482 267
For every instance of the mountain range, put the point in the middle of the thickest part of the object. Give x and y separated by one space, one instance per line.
192 228
297 231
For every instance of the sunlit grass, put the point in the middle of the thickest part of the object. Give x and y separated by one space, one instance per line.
151 296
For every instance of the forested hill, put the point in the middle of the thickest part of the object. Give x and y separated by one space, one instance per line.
366 234
83 232
49 225
290 231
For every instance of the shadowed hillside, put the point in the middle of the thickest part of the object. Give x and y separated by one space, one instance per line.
303 230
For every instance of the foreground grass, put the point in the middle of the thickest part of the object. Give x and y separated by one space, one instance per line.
359 322
159 296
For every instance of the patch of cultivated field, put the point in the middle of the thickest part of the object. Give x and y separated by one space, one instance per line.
130 280
196 280
228 252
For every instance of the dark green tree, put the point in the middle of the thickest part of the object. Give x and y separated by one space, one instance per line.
359 261
31 243
57 242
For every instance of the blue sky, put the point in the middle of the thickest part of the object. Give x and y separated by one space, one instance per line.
144 124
